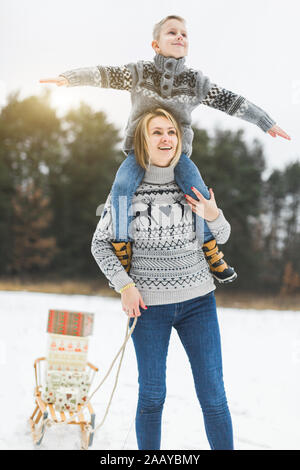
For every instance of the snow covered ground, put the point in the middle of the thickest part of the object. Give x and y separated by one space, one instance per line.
261 359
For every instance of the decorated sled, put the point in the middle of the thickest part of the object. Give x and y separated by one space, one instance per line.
39 418
62 396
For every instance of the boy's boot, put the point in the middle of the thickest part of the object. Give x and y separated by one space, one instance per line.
123 252
219 268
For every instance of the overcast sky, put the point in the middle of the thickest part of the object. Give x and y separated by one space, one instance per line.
251 48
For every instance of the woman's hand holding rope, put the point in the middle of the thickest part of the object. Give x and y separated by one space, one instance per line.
132 301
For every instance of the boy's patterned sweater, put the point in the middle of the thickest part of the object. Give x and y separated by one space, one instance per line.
168 264
167 82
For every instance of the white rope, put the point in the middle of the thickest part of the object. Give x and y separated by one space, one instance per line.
88 428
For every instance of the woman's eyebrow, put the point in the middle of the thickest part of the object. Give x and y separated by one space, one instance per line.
157 127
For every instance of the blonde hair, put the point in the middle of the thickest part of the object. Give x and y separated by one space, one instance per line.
141 137
158 26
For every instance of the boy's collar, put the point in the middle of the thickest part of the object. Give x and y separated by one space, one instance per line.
169 64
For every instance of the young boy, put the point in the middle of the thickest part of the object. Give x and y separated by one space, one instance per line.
167 83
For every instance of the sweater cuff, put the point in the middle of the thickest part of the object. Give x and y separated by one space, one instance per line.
121 279
219 222
265 123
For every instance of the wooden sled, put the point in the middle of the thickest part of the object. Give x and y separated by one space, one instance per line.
42 410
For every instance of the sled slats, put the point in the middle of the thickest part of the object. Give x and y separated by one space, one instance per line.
93 367
52 411
33 414
40 411
41 404
38 416
80 416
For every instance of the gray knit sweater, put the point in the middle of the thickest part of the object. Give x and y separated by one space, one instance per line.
167 82
168 264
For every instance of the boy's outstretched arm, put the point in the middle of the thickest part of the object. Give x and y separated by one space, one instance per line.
121 78
236 105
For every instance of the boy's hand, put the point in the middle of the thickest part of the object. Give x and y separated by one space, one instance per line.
59 81
275 130
206 208
131 301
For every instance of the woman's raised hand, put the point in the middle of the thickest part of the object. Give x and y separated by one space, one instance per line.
59 81
206 208
131 301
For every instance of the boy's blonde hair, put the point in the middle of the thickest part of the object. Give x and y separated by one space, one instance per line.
141 136
158 26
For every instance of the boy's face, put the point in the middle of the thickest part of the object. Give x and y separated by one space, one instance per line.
173 41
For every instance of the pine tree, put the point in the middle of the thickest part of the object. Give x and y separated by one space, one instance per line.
290 281
32 249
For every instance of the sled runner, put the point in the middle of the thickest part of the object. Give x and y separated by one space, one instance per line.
43 410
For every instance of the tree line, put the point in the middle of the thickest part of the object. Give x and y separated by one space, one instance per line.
55 172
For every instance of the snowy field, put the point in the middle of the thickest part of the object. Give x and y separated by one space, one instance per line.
261 359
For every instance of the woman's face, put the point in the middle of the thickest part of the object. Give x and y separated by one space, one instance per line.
162 141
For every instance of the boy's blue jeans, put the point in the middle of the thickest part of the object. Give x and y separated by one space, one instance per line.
128 178
197 326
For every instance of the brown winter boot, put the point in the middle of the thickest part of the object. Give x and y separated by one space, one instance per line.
218 266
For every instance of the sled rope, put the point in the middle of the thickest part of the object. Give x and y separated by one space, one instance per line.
49 421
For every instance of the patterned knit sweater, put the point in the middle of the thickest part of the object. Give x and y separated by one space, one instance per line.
168 83
168 264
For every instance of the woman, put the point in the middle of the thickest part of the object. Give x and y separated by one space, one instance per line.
169 284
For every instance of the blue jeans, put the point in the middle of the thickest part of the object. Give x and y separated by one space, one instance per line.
130 175
197 326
